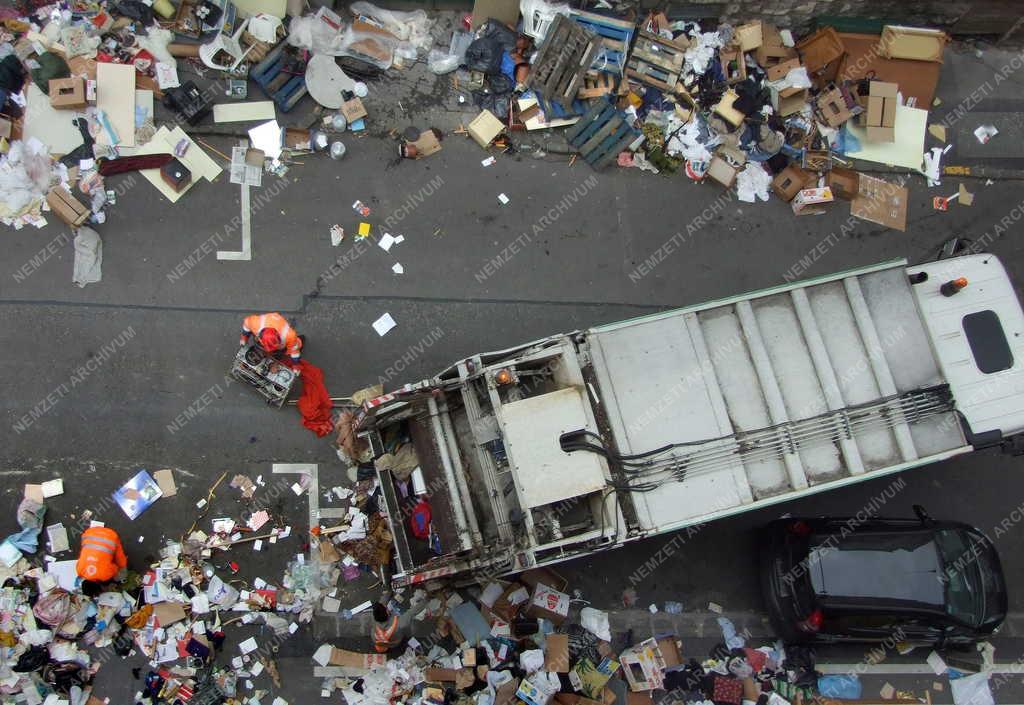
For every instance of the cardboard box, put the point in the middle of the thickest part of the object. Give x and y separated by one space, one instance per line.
845 183
772 50
67 207
556 653
749 36
787 102
873 115
671 650
534 576
531 694
733 64
484 128
881 202
643 665
548 603
781 69
881 134
889 113
806 198
440 675
721 171
353 110
821 49
915 43
883 89
832 107
791 181
67 93
506 692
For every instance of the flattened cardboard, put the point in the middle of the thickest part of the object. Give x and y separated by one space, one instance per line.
115 95
353 110
440 675
832 106
328 655
915 43
167 613
165 480
721 171
426 144
556 653
881 202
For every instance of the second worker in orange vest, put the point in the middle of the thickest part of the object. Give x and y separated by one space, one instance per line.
273 333
102 556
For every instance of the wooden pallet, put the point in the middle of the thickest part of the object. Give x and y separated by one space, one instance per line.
655 61
616 36
597 84
564 57
284 89
602 133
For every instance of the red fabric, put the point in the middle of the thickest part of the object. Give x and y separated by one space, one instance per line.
315 403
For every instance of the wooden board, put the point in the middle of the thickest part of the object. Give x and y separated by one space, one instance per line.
242 112
115 95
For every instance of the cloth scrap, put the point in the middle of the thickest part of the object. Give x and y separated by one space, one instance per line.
315 403
88 267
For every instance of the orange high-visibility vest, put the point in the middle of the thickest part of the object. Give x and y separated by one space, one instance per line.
382 636
289 338
102 555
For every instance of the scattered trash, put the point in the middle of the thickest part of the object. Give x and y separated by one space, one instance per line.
384 324
985 132
503 198
397 268
138 494
337 235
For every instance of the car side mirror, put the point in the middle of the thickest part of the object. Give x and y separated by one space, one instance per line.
923 515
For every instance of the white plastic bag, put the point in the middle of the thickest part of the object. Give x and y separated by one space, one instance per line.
596 622
412 27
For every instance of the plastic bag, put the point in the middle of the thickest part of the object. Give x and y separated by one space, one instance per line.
412 27
846 687
484 55
53 607
441 62
596 622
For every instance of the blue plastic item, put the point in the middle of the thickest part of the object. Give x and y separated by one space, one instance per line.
846 687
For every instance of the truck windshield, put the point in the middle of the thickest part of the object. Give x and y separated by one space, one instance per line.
963 557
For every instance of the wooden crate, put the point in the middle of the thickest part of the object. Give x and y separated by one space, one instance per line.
562 61
602 133
597 84
655 61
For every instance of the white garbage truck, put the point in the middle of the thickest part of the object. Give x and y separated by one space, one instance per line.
587 441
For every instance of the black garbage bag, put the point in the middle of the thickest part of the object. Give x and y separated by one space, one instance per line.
484 55
135 10
32 660
493 29
65 675
499 84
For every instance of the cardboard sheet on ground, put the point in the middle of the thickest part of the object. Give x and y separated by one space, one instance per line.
916 79
196 160
115 95
882 202
906 151
51 127
242 112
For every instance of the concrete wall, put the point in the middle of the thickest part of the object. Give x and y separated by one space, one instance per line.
990 16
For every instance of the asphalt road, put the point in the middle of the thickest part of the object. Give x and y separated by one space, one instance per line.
129 373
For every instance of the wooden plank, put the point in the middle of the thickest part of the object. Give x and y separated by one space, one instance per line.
661 61
601 19
649 80
598 137
616 145
589 118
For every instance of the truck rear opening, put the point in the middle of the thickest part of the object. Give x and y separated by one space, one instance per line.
585 441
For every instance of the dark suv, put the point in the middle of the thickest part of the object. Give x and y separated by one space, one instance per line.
914 580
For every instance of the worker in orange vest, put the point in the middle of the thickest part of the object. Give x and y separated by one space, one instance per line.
386 631
273 333
102 557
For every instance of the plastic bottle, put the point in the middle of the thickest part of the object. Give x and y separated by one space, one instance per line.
337 150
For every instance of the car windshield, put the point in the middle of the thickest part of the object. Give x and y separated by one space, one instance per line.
962 558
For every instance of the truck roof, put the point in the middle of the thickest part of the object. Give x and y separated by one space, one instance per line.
804 386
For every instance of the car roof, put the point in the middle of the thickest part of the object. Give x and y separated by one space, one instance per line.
896 566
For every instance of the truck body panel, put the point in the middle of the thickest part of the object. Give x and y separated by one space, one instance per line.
586 441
